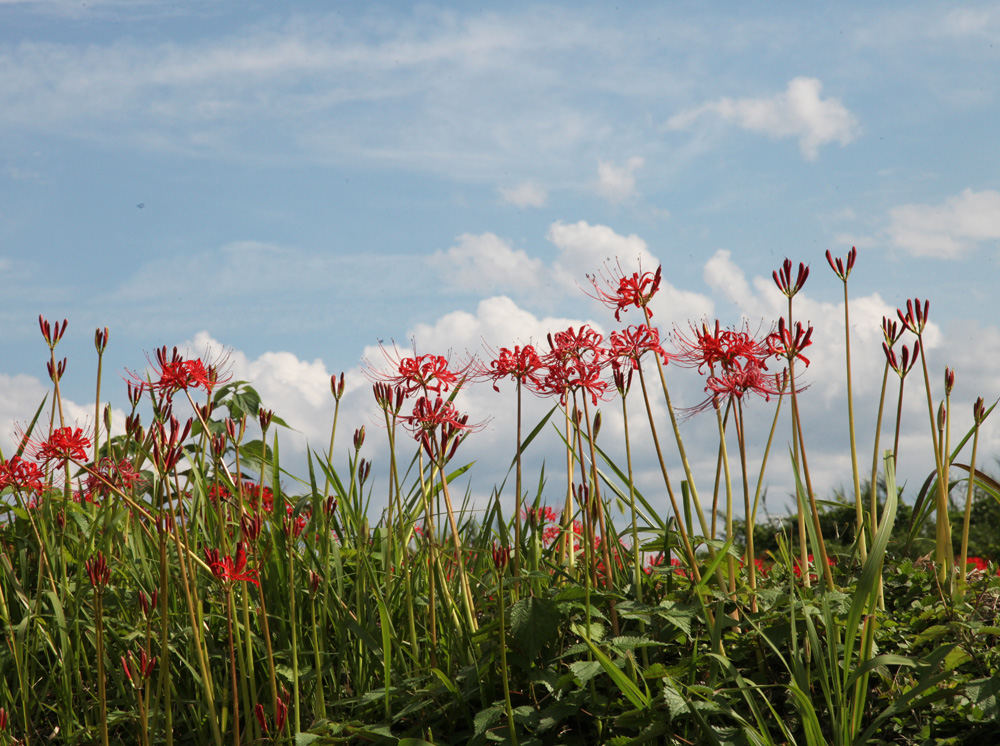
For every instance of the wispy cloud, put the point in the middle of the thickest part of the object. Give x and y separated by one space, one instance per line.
797 112
948 230
525 194
617 183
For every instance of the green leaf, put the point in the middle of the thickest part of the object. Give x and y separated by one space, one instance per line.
534 623
585 670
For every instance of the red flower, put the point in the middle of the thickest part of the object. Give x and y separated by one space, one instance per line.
783 278
837 265
632 343
736 362
423 373
110 475
21 475
783 343
64 444
624 291
915 317
174 373
227 569
522 364
575 362
98 570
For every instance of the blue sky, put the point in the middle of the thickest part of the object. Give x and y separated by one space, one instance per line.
297 181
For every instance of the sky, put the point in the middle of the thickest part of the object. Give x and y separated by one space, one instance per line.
293 184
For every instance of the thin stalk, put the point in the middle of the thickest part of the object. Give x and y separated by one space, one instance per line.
962 566
859 510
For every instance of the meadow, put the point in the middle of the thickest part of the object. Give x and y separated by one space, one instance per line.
174 584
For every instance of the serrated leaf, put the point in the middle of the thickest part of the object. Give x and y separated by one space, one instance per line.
486 719
534 623
584 671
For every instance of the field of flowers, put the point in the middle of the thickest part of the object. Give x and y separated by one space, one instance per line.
173 584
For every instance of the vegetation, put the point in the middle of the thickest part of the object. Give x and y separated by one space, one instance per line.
173 584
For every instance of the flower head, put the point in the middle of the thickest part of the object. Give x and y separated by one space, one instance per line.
230 569
172 373
21 475
522 364
630 344
420 373
783 278
64 444
619 291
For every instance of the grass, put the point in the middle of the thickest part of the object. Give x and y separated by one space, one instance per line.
173 584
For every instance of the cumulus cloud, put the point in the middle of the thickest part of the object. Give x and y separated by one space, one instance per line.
525 194
797 112
947 230
584 249
486 261
617 183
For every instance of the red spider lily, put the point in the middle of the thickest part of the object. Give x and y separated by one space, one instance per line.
64 444
578 344
424 373
229 569
251 526
891 331
295 524
521 364
783 343
110 475
98 570
915 318
501 556
797 569
734 384
623 382
21 475
430 415
142 672
56 370
632 343
101 340
719 348
736 363
174 373
52 334
566 375
949 380
657 561
624 291
148 603
436 424
783 278
979 411
904 363
540 516
837 265
337 388
279 717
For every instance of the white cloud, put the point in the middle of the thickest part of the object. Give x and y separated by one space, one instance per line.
617 183
946 231
584 249
797 112
525 194
486 262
